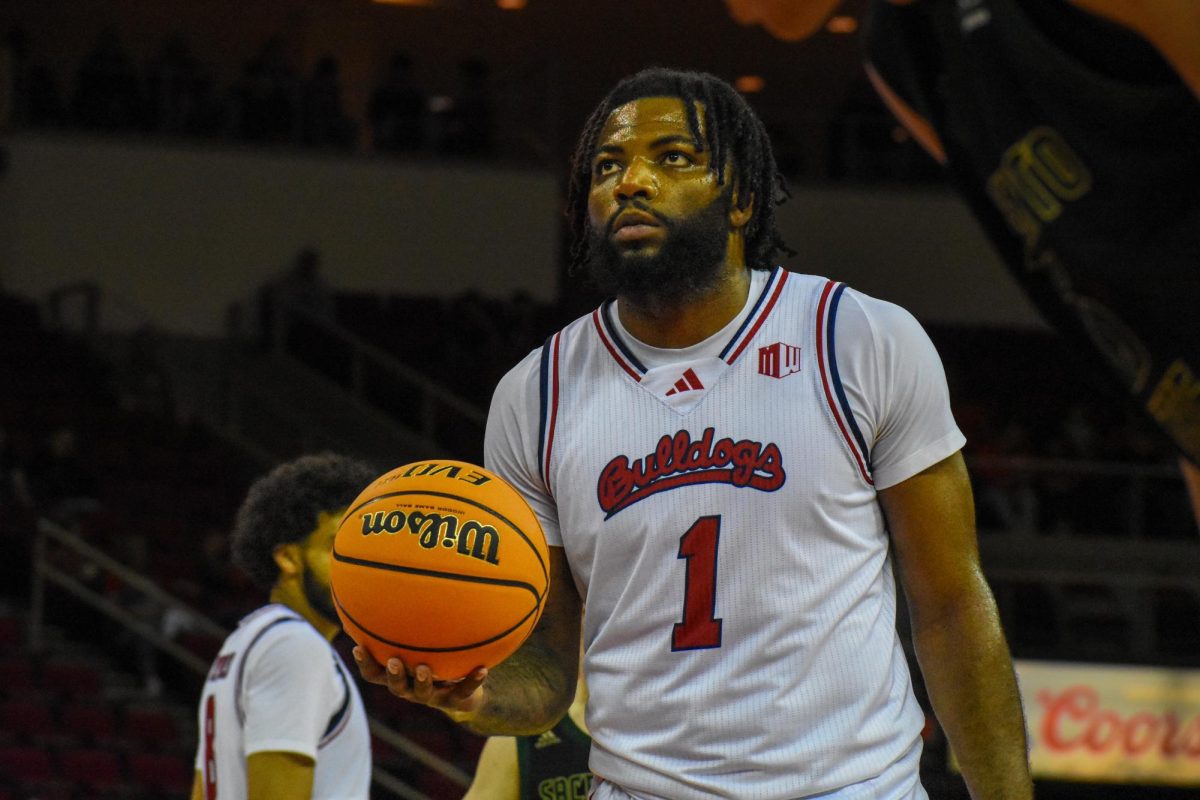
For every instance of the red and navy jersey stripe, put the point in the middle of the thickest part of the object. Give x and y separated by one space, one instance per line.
606 329
831 382
548 390
616 347
758 315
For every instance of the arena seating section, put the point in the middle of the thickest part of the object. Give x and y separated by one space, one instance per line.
91 715
95 715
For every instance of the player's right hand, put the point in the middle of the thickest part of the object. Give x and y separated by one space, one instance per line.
459 699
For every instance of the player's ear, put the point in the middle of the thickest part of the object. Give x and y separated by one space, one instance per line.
287 558
739 215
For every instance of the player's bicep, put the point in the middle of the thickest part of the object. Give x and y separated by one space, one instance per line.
559 626
276 775
497 776
931 519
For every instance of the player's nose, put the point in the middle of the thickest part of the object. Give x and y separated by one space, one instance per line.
638 180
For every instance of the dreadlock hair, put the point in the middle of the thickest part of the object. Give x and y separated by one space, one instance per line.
732 133
283 507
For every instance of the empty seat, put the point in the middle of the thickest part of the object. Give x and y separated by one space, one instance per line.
27 720
161 772
26 763
93 769
16 674
12 632
89 722
74 679
151 727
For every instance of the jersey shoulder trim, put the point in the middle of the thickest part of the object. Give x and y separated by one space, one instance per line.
339 719
548 387
831 381
245 656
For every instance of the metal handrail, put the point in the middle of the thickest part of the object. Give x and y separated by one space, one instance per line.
366 354
45 572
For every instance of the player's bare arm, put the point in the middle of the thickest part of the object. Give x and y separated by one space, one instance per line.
956 629
526 694
276 775
497 777
1169 25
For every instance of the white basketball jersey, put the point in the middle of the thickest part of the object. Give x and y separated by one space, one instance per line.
277 685
719 515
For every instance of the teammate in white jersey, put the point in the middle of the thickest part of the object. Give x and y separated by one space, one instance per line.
280 715
727 460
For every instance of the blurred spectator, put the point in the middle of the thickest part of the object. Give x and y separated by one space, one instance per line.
1007 495
397 109
466 123
43 106
144 383
300 287
180 98
14 479
107 87
266 96
61 484
323 121
14 52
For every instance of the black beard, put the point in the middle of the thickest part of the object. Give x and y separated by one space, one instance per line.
320 598
688 265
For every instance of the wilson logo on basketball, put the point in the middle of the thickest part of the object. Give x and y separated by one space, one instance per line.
469 538
679 461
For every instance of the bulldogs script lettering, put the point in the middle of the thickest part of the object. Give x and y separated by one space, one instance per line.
678 461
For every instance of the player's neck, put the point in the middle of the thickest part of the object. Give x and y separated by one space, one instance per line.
688 323
287 594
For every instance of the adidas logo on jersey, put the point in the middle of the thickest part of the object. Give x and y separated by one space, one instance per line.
688 382
547 739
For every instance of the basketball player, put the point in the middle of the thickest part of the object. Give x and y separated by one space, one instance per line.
280 715
1072 129
728 459
553 764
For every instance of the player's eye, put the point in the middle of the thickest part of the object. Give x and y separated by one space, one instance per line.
605 166
676 158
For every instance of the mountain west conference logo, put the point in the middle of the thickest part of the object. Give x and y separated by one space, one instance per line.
678 461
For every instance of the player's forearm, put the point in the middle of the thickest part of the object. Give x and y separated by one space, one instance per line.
525 695
969 677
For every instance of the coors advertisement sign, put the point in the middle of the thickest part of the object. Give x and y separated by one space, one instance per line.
1096 723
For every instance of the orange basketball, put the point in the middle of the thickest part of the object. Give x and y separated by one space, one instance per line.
442 563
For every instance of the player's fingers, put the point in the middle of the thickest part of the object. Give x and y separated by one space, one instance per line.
398 682
421 684
370 669
462 691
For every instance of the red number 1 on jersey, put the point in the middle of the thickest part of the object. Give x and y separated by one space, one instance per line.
699 629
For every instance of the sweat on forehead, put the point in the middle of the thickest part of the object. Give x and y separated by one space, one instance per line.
667 108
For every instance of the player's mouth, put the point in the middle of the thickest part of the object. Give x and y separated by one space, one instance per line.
631 226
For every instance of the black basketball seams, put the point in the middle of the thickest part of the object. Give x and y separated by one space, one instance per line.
460 498
433 573
419 648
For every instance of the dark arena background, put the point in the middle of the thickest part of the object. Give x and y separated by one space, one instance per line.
235 232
